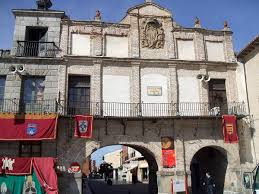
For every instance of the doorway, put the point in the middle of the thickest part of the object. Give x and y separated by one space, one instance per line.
212 160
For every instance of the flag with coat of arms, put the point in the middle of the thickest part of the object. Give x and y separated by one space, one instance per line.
83 126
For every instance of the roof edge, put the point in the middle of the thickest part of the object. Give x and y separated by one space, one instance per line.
249 47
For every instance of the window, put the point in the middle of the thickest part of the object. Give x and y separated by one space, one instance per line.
81 44
30 149
33 89
2 87
79 95
117 46
186 49
217 95
215 51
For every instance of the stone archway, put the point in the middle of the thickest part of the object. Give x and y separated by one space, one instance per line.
208 159
152 164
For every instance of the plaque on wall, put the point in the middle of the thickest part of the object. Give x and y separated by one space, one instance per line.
154 91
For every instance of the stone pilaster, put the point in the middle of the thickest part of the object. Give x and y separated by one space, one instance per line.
199 46
204 96
231 85
134 37
97 81
228 44
136 83
64 38
62 77
169 38
173 83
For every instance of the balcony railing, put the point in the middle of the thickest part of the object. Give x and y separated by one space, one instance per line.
114 109
36 49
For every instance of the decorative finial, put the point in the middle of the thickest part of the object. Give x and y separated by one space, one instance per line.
44 4
149 1
98 16
226 26
197 23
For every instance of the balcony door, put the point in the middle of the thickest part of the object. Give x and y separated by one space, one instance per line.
218 96
35 41
79 95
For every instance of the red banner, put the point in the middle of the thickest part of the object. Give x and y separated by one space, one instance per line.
229 123
83 126
27 126
44 168
168 152
15 166
168 158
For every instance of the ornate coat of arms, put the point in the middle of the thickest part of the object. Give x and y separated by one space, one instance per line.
152 35
83 125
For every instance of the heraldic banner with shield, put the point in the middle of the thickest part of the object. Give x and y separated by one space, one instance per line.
83 126
28 175
229 123
27 126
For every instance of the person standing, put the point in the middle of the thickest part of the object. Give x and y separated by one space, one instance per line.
209 184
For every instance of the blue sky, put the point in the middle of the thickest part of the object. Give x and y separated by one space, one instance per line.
98 154
242 15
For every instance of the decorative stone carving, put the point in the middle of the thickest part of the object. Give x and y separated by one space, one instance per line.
152 34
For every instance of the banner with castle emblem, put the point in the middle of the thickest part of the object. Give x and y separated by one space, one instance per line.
83 126
229 123
28 175
27 126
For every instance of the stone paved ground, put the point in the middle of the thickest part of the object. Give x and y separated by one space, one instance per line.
100 187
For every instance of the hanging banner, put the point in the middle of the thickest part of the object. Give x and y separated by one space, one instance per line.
23 184
27 126
229 123
83 126
28 175
168 152
15 166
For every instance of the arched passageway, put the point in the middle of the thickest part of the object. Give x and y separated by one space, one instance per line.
152 187
212 160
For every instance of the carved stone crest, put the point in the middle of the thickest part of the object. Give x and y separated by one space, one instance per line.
152 34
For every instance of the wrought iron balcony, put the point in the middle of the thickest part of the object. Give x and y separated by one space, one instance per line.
124 110
36 49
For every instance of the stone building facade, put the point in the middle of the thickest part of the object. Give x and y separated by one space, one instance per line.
143 78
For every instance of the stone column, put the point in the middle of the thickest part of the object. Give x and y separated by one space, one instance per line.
199 46
169 38
64 38
228 44
97 96
173 83
231 85
136 83
204 95
134 37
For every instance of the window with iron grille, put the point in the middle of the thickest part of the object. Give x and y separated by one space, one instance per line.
33 89
2 87
30 149
33 95
79 95
217 95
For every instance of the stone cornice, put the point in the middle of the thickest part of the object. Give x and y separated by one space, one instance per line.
94 23
38 13
203 31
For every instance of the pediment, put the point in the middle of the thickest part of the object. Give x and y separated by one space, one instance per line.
150 9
